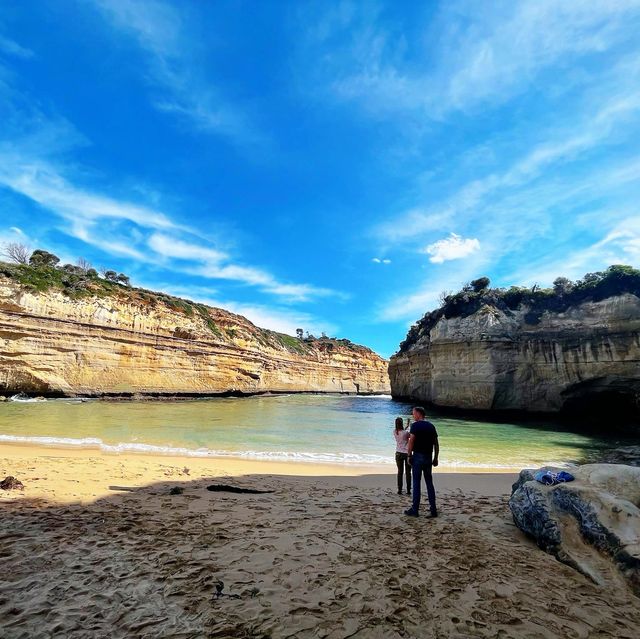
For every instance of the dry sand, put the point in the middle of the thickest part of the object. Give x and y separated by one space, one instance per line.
95 546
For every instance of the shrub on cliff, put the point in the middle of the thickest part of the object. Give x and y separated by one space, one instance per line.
43 259
615 280
43 272
481 284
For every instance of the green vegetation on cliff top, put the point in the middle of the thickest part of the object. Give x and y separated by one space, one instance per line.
593 287
40 272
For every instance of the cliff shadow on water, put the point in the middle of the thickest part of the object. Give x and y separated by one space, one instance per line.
613 437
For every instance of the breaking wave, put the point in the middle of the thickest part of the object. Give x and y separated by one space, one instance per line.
92 443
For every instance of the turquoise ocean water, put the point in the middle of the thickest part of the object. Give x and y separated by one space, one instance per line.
318 428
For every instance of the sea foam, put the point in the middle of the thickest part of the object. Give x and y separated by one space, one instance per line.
92 443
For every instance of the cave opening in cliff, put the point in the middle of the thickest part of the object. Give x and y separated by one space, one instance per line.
605 409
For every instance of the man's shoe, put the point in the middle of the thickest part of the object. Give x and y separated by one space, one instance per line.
411 513
399 492
432 515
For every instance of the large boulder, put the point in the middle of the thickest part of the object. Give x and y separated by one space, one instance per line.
591 524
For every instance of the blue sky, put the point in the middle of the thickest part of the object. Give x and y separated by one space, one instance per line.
333 166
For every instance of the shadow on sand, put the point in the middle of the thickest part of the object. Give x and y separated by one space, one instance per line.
318 557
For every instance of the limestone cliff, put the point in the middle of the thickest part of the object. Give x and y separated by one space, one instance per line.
587 357
137 342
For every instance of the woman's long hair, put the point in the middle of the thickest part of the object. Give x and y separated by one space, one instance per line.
399 423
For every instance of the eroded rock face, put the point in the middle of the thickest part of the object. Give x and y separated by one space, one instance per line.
591 524
110 346
585 359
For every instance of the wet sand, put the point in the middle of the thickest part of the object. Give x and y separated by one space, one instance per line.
96 546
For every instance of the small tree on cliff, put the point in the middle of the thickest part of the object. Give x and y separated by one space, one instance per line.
562 286
84 265
481 284
16 252
110 276
40 259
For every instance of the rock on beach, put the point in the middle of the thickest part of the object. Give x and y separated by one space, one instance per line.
591 524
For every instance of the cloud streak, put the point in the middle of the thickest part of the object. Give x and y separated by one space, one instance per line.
173 68
126 229
472 55
213 264
592 133
12 48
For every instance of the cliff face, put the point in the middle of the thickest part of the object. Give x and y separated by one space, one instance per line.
588 356
124 344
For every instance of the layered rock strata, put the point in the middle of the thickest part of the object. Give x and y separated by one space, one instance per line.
126 344
591 524
585 358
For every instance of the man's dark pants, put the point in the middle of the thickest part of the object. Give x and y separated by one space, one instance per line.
422 465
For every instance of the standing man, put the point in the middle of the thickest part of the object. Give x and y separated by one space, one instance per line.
423 454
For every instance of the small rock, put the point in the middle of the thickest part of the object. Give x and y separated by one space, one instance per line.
11 483
176 490
3 398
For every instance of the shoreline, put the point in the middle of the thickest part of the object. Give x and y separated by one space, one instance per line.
234 465
65 476
139 396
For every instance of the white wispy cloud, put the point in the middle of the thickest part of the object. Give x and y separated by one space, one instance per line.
619 244
44 184
12 48
468 201
163 32
453 247
34 163
471 54
214 264
377 260
93 234
179 249
123 228
511 224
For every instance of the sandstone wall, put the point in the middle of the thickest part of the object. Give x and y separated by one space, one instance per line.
110 345
495 361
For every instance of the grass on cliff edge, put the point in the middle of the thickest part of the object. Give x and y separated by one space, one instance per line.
76 284
593 287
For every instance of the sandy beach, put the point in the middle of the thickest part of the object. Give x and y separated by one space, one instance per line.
96 546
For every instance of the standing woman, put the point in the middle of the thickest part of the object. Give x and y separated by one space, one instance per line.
402 454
